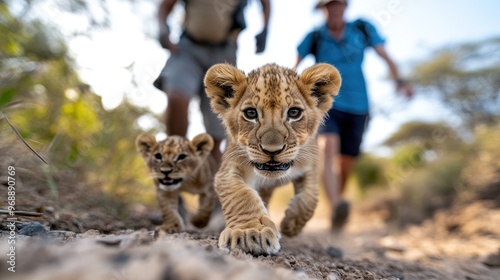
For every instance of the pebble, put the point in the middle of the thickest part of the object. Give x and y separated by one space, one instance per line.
65 235
283 261
33 229
493 260
333 276
334 252
109 240
92 232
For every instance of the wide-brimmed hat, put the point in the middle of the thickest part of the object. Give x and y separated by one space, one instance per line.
321 3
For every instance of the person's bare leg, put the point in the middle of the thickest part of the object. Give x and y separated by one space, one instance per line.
176 115
346 166
342 207
329 147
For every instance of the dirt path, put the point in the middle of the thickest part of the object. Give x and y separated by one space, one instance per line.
452 246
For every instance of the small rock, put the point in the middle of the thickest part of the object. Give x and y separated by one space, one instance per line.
120 259
224 251
283 261
109 240
396 276
493 260
156 219
137 238
92 232
391 243
333 276
334 252
33 229
65 235
332 265
209 248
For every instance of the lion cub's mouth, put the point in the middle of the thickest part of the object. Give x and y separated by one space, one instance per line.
167 181
273 166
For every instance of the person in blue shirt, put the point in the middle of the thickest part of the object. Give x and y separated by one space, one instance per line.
342 44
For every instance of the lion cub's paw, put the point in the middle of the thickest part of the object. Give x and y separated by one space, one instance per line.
171 227
292 225
260 238
200 221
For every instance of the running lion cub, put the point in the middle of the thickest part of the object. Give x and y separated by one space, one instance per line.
271 117
178 165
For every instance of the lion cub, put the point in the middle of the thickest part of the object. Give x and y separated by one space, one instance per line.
178 165
271 117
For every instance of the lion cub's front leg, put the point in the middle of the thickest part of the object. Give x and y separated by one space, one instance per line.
206 206
172 220
248 227
301 207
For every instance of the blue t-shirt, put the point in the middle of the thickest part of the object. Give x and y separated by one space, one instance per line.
347 55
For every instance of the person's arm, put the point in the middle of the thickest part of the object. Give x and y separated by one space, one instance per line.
306 47
299 59
261 38
164 10
401 84
266 11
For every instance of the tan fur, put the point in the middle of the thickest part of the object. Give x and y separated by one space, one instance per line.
180 159
259 112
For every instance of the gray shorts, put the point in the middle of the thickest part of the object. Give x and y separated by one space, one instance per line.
184 72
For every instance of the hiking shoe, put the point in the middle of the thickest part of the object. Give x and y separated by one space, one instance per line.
340 215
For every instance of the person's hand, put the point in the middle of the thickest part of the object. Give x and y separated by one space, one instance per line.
260 41
404 88
164 38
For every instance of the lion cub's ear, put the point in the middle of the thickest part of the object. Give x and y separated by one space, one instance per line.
322 82
224 84
144 144
203 144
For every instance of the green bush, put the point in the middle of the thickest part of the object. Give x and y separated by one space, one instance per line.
429 188
369 172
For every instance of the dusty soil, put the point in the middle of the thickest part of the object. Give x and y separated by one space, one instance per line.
461 243
85 235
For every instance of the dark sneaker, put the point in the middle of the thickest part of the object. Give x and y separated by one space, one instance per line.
340 215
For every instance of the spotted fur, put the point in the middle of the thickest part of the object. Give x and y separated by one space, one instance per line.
271 118
179 165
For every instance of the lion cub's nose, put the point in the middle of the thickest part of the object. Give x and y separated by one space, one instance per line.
273 152
165 171
272 143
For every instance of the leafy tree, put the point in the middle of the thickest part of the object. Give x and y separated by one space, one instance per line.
427 136
369 172
466 78
59 115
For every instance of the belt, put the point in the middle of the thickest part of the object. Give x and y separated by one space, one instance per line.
202 42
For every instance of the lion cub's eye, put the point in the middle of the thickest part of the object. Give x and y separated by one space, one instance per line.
181 157
294 113
250 113
158 156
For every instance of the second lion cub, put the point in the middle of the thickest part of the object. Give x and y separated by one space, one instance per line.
179 165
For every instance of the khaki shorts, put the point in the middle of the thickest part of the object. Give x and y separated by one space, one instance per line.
185 70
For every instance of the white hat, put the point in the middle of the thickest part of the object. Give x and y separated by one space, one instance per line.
322 3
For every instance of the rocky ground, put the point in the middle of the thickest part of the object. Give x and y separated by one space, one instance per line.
460 243
82 234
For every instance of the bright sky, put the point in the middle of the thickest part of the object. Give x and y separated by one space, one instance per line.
413 28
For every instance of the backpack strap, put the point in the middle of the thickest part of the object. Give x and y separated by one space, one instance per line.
315 42
361 25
